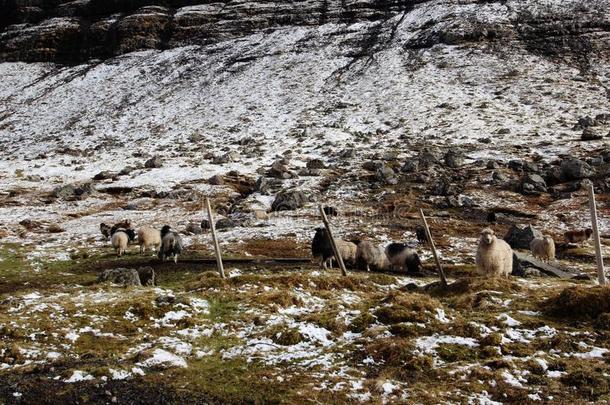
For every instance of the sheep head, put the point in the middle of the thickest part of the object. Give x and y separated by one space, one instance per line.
487 236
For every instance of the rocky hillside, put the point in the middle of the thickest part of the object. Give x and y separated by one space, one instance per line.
77 31
444 69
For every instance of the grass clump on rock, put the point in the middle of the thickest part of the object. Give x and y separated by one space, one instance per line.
584 303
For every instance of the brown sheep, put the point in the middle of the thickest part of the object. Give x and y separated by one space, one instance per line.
578 236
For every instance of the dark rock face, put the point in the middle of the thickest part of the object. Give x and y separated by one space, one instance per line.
67 31
520 236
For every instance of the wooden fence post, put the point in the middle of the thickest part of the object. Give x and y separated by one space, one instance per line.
439 266
221 269
601 276
332 242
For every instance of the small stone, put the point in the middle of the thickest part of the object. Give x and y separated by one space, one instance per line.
533 184
104 175
153 163
216 180
386 175
409 166
372 165
589 134
194 228
454 159
225 223
316 164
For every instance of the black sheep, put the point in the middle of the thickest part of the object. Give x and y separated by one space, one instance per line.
321 247
420 233
401 256
171 244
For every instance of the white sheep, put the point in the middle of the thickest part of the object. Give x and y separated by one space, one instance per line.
149 238
543 248
347 250
371 256
494 256
120 239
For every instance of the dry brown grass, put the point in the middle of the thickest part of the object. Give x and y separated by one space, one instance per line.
399 359
407 307
332 282
275 248
579 302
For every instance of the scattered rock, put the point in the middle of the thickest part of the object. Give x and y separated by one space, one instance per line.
205 225
30 224
589 134
459 201
225 223
34 178
492 164
316 164
289 200
147 276
386 175
226 158
532 184
73 192
372 165
104 175
310 172
575 169
427 158
153 163
260 215
603 118
120 276
520 236
126 170
443 187
409 166
193 228
216 180
499 177
585 122
54 228
454 158
279 170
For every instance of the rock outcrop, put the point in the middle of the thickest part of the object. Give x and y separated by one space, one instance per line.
67 31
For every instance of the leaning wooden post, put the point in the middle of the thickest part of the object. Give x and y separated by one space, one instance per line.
441 273
601 276
332 242
221 269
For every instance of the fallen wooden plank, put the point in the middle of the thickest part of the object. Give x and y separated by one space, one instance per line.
523 260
